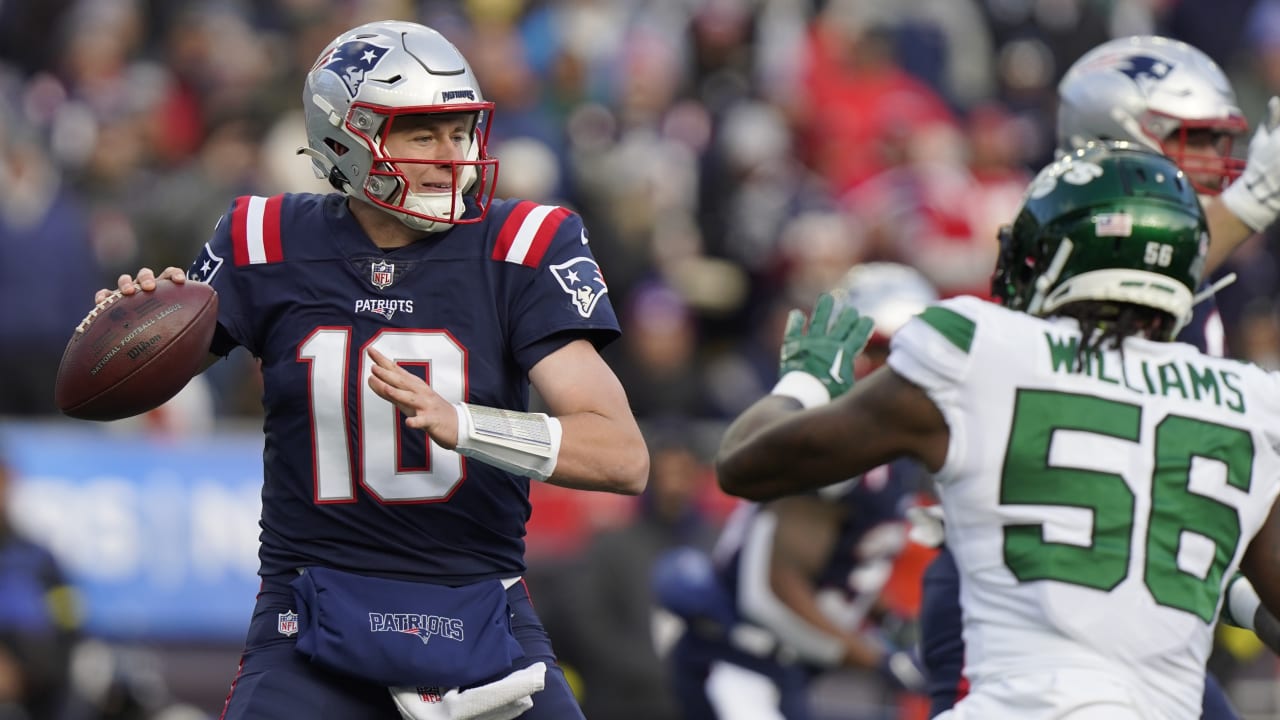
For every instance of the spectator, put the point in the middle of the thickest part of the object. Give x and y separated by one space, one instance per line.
39 623
613 605
42 223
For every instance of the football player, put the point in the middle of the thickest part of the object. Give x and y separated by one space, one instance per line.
1132 475
1172 98
400 323
798 579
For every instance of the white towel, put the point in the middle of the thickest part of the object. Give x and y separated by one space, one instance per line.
501 699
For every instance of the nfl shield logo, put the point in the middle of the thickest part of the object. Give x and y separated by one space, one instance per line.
431 695
384 273
287 623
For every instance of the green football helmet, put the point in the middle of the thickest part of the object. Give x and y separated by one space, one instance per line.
1110 222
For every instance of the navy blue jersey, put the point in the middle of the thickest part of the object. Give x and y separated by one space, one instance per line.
472 309
871 534
1205 329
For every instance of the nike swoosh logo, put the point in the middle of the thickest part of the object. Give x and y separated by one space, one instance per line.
584 236
834 371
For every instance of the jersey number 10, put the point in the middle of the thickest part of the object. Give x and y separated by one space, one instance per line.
327 350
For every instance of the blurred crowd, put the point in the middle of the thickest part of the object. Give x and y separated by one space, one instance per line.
731 160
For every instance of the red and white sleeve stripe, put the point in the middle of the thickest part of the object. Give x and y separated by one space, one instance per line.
527 233
255 229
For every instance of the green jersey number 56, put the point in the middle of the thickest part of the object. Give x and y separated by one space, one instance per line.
1030 478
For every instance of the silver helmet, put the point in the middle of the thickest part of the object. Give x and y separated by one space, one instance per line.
360 84
1161 93
888 293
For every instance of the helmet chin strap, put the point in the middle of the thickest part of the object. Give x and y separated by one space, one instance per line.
1134 128
437 205
332 174
1046 280
1213 289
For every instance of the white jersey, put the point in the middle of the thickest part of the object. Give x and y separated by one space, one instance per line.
1095 514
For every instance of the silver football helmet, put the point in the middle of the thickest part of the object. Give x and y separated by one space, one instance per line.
360 84
1161 93
888 293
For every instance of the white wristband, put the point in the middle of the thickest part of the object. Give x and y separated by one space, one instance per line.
1251 204
527 444
804 387
1242 602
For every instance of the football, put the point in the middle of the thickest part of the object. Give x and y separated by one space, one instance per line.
132 353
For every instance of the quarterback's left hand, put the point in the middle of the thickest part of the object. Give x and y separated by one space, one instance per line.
827 350
1254 197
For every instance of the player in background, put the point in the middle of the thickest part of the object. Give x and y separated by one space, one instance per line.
1172 98
792 587
400 323
1134 474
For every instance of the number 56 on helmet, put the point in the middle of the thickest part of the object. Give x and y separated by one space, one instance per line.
1111 222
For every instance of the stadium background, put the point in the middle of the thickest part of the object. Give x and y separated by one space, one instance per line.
731 158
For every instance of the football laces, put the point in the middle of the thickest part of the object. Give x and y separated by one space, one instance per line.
97 309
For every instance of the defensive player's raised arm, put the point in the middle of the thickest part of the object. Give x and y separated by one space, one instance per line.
601 447
1251 202
797 438
778 448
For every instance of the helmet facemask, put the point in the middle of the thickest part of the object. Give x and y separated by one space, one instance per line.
1203 149
389 186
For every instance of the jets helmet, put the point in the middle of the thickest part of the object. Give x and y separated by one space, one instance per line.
1159 93
1111 222
360 85
887 292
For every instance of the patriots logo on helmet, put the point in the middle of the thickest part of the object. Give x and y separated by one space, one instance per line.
1144 68
353 61
422 634
580 278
